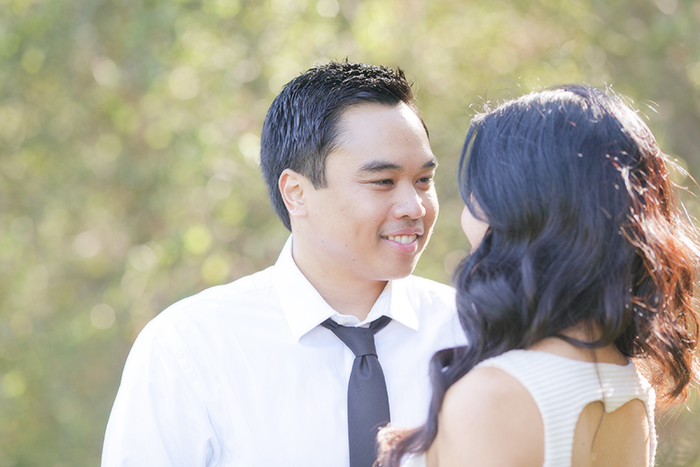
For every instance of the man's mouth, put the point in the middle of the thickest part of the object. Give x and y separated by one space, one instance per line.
404 239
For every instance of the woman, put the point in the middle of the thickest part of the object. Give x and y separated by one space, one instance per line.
578 290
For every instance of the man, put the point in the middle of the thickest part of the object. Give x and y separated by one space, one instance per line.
256 372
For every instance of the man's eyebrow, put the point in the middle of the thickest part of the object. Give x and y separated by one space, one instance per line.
431 164
380 166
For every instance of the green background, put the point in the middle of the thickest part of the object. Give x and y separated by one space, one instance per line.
129 138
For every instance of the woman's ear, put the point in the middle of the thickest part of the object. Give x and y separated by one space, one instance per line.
291 185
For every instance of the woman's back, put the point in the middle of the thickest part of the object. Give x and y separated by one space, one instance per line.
557 407
623 437
620 438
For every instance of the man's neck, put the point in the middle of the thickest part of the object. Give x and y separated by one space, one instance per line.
354 301
347 296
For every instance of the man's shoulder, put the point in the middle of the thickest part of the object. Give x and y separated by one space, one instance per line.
255 291
435 307
421 286
430 299
255 285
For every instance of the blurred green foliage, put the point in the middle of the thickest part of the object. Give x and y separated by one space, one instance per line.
129 138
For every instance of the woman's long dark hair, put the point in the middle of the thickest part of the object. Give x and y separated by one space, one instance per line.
584 229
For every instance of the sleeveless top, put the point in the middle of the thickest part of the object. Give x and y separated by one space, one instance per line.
561 388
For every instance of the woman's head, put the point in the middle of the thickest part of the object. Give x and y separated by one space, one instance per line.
583 229
554 159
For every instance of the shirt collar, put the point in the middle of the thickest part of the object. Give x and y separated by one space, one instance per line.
304 308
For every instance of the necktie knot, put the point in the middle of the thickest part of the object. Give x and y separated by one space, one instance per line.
359 340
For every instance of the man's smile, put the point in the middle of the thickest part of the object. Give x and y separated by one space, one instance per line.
402 238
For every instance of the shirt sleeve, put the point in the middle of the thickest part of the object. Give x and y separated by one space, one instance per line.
159 417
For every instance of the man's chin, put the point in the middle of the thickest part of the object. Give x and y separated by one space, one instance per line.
400 272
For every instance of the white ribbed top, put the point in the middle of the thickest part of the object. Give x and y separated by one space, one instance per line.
562 388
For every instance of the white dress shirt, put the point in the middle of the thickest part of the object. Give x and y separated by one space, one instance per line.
243 375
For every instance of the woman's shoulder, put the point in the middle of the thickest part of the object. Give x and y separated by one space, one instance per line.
480 411
488 383
488 392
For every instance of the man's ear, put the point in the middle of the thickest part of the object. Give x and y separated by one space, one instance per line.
292 185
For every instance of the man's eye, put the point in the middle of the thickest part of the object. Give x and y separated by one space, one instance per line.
426 180
386 182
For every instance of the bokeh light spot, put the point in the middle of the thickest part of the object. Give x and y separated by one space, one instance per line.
33 61
249 145
246 71
197 239
215 269
105 72
143 258
224 8
87 244
184 83
13 384
102 316
219 187
667 7
327 8
133 284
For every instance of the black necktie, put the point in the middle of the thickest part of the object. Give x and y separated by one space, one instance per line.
368 402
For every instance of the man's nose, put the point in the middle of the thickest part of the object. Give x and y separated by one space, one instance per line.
409 204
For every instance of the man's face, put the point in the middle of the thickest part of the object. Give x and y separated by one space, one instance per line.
377 212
